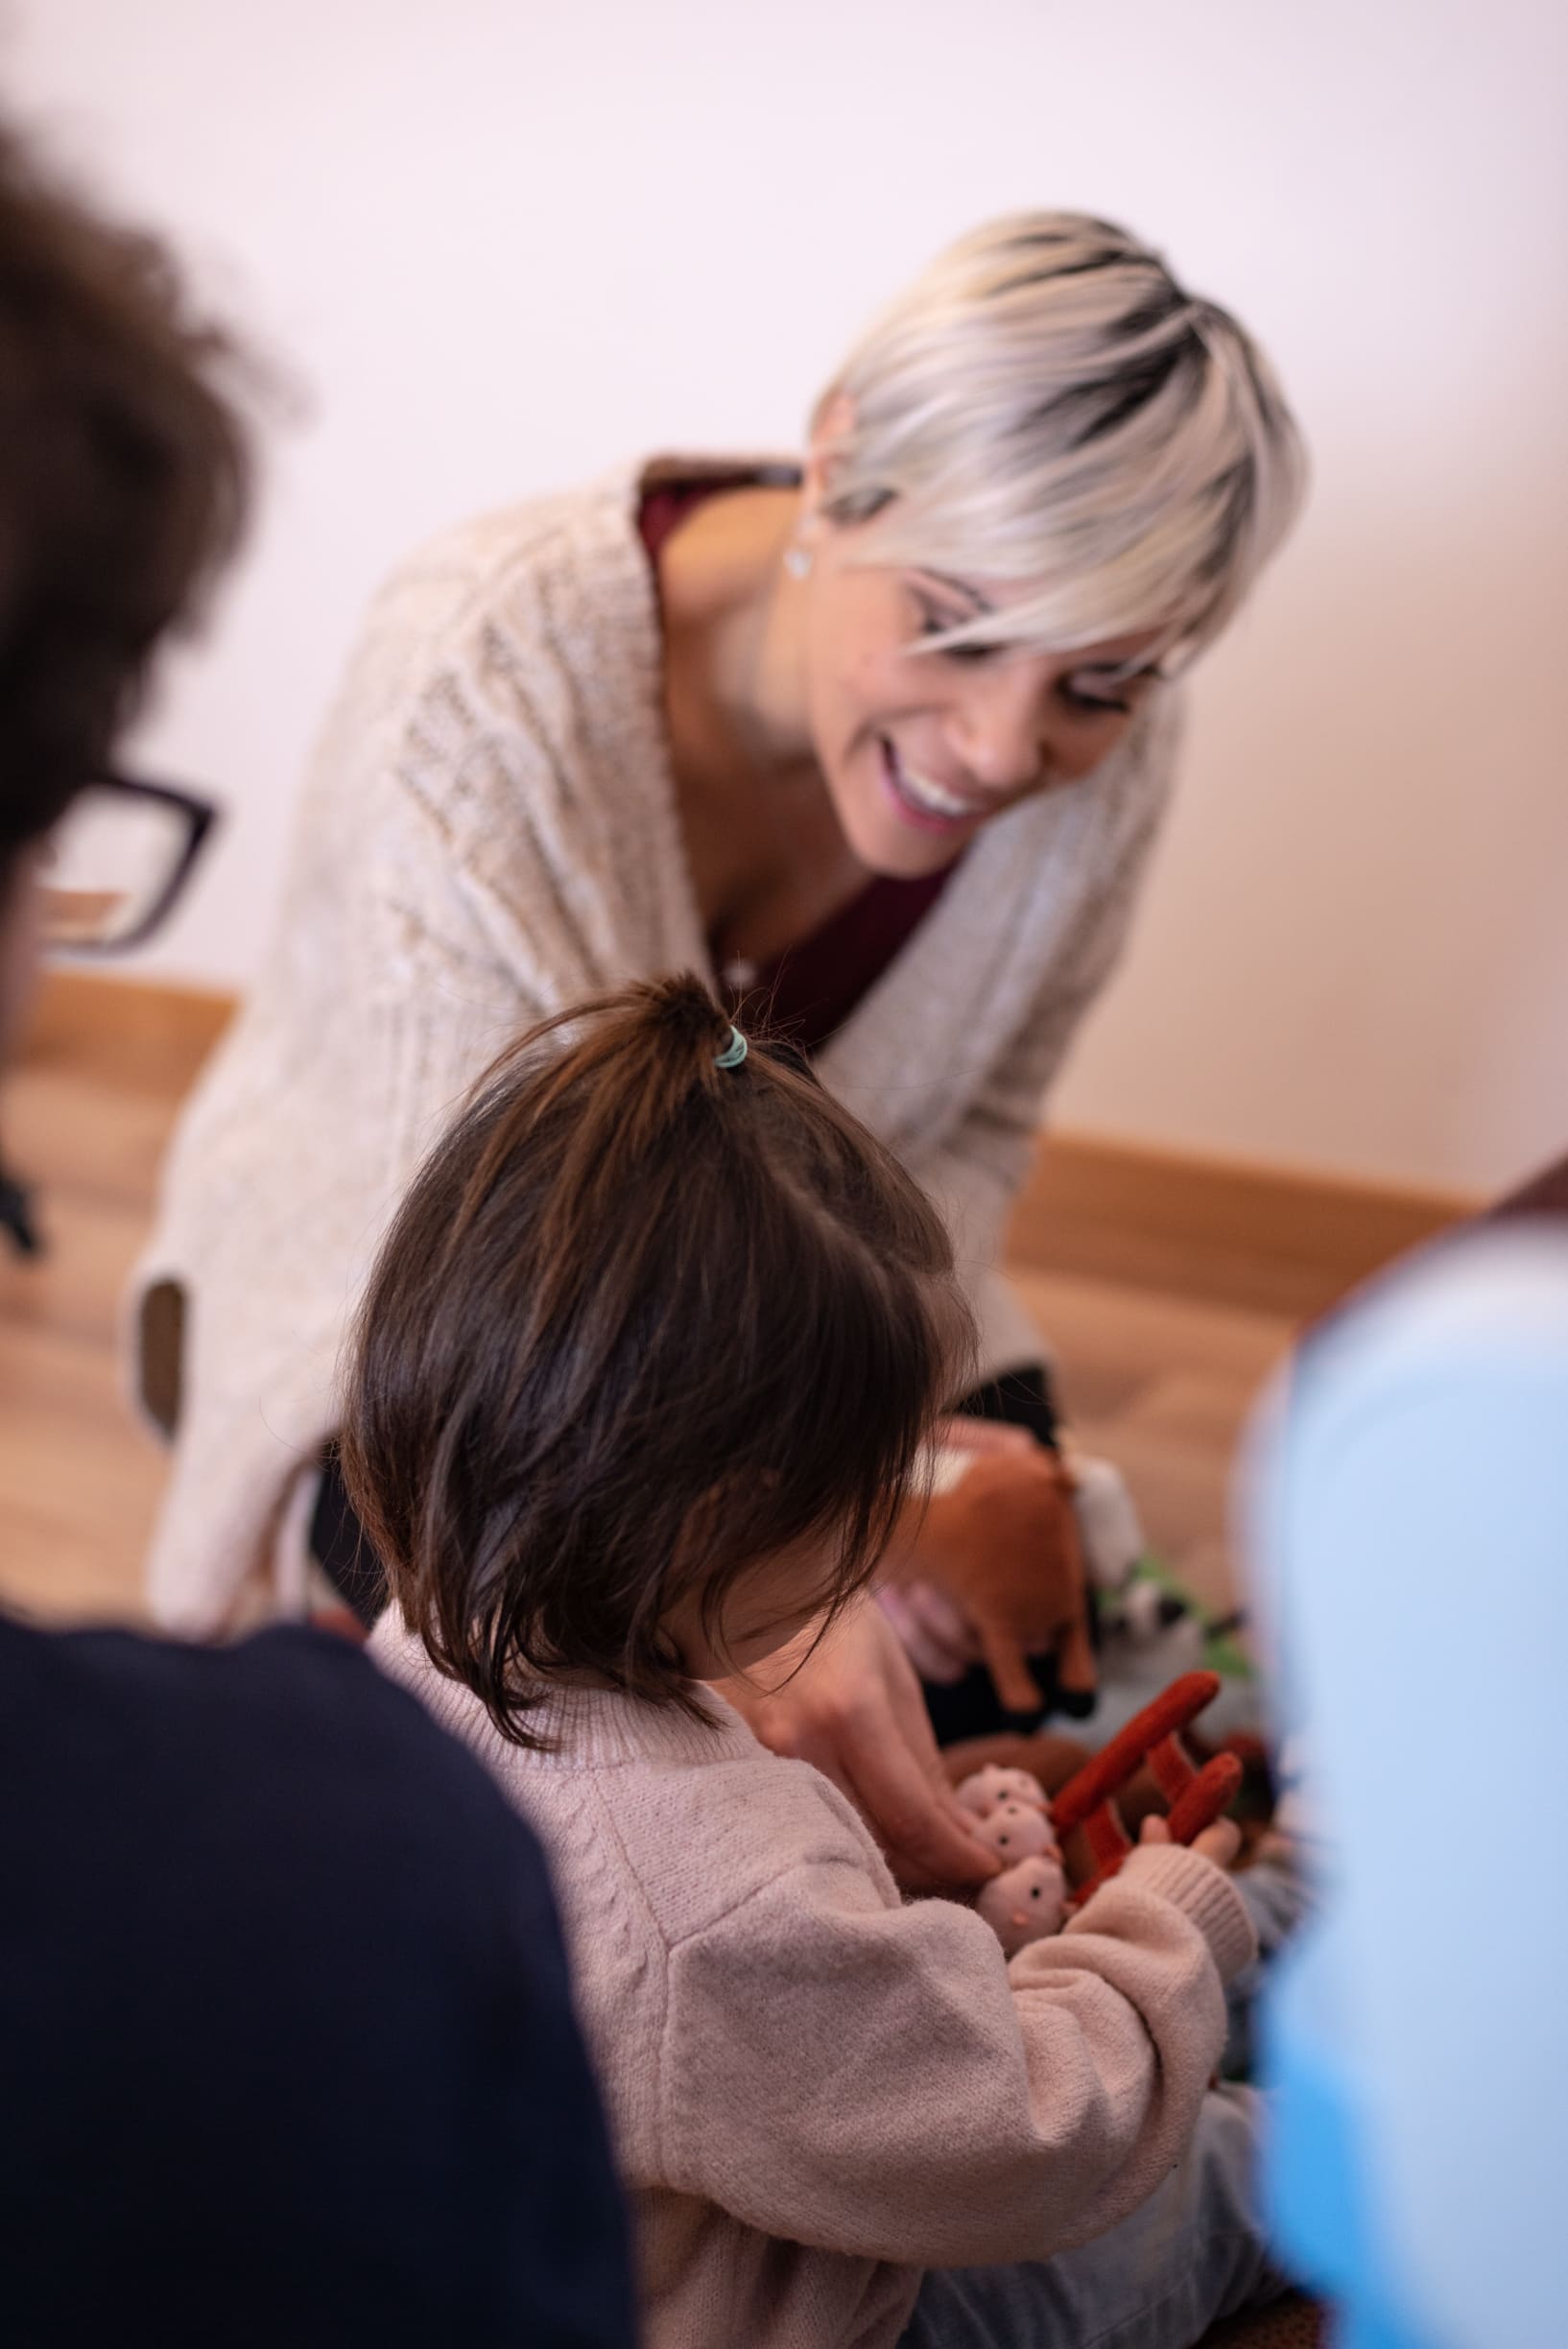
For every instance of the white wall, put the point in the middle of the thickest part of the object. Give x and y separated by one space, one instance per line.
499 242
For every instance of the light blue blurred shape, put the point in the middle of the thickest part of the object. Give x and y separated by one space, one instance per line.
1409 1504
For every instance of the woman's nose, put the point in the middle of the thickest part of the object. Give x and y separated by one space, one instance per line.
999 729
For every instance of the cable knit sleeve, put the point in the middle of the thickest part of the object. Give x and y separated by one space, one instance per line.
875 2081
477 847
451 970
501 884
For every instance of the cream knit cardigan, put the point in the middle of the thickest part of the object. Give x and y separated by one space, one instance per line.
814 2089
492 832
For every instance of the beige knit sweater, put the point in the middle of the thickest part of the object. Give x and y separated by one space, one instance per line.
814 2089
489 833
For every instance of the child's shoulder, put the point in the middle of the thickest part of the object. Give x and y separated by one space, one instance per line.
694 1815
705 1839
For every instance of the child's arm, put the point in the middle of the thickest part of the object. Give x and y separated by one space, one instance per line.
875 2081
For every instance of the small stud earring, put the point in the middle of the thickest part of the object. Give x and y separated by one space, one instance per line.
798 560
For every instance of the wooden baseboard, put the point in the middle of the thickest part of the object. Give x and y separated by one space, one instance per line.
129 1030
1269 1239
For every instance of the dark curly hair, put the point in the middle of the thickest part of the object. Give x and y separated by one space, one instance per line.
124 481
641 1321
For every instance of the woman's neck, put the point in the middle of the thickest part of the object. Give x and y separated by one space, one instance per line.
768 856
732 638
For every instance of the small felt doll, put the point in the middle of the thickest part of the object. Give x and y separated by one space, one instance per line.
1025 1902
1016 1831
984 1790
1029 1899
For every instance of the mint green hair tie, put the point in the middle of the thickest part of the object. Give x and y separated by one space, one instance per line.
734 1052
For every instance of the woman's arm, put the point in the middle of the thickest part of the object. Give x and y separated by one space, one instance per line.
849 1704
1001 1544
450 883
978 1169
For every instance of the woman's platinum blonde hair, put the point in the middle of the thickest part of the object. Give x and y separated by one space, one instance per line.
1046 404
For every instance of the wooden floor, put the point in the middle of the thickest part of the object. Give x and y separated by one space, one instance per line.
1156 1376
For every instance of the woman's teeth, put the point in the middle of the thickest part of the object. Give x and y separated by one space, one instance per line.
927 798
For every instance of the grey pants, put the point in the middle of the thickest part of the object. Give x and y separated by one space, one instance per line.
1193 2253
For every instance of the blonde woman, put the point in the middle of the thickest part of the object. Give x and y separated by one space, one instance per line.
879 742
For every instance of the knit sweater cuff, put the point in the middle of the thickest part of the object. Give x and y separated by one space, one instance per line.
1203 1892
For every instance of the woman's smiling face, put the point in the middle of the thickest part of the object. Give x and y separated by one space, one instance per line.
920 749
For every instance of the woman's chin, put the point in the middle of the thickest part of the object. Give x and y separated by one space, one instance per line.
894 841
894 854
893 849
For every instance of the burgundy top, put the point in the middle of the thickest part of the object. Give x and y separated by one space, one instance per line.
810 989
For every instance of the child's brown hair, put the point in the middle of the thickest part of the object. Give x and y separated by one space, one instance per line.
642 1322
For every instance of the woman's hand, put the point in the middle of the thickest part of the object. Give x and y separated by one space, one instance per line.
959 1434
1002 1549
939 1638
854 1708
938 1634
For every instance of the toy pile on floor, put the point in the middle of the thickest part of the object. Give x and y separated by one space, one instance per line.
1149 1626
1027 1826
1060 1847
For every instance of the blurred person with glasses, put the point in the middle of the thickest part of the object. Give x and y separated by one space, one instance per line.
240 1885
104 880
118 861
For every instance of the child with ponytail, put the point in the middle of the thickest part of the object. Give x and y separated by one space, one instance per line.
640 1387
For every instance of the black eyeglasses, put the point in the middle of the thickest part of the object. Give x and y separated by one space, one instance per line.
118 861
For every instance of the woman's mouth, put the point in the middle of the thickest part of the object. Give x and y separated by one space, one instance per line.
926 804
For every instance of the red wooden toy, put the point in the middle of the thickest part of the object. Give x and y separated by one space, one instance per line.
1196 1796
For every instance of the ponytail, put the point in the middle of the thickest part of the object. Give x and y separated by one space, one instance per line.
657 1308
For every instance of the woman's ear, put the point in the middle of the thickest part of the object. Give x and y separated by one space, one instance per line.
831 426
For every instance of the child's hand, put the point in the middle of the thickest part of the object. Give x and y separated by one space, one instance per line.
1220 1842
853 1707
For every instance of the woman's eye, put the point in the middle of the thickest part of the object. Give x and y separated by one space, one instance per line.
934 622
1093 704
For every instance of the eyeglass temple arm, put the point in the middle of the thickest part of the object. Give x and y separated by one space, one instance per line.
17 1215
